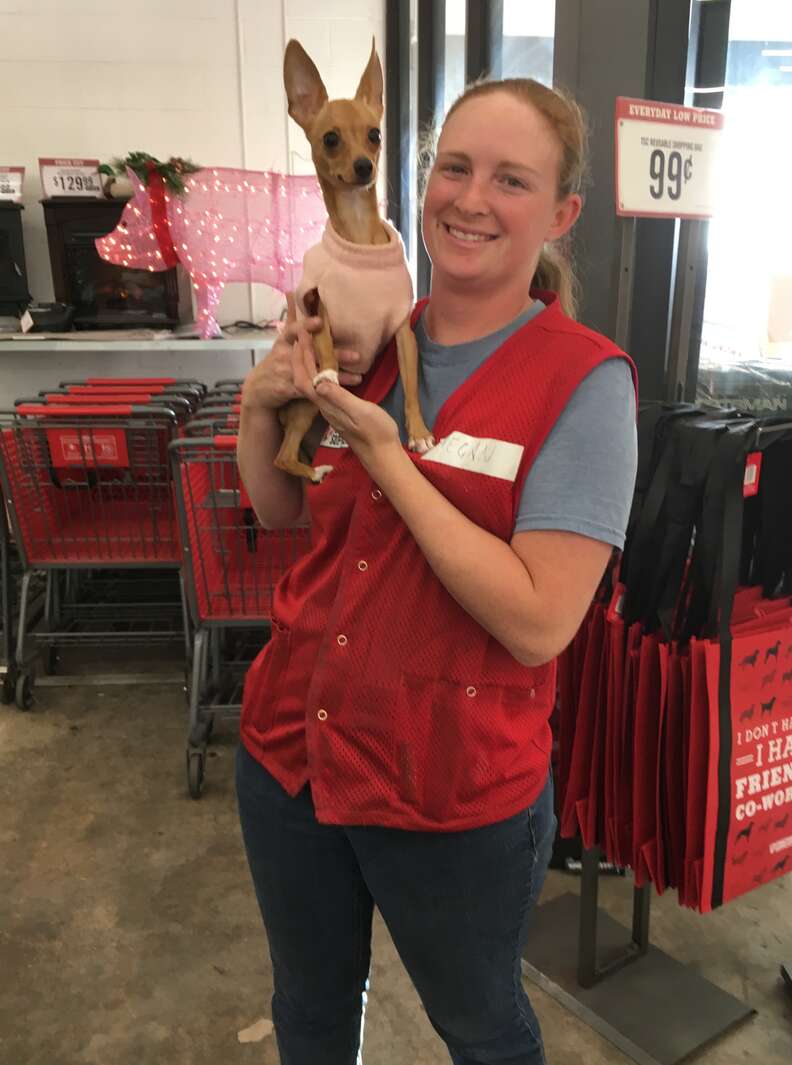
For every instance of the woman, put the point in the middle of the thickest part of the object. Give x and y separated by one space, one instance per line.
395 740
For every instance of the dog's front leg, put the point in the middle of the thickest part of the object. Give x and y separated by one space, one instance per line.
323 340
419 438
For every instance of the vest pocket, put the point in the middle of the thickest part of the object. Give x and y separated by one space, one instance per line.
454 743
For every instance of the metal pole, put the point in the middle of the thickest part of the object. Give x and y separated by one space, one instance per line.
589 895
624 283
688 264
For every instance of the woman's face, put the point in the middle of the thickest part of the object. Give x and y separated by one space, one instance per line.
491 199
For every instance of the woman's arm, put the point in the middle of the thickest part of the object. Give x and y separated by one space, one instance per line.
277 498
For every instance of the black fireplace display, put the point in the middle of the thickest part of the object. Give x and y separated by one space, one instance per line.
104 295
14 295
102 291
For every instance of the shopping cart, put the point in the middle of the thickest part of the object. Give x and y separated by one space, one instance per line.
90 499
126 383
7 667
230 568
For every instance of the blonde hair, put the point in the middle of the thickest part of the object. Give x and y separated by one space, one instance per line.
554 271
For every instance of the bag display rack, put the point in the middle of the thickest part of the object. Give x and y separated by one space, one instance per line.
652 1008
706 560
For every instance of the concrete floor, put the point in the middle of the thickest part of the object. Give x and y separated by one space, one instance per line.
129 932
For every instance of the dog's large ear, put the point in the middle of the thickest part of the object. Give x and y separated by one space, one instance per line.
305 89
370 88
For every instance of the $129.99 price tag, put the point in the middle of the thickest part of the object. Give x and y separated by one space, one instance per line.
665 159
70 177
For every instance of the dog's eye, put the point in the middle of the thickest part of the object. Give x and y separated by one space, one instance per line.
375 136
331 139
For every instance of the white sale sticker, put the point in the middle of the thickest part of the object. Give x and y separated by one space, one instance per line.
666 157
11 180
70 177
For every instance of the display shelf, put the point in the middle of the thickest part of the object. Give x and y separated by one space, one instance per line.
240 342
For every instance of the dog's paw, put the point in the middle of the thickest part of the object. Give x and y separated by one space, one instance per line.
326 375
422 445
320 472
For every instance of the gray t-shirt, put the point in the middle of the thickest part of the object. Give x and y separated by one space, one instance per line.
583 477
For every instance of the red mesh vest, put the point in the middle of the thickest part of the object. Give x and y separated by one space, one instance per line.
377 686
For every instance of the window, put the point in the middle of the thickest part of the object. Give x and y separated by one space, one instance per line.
528 32
747 327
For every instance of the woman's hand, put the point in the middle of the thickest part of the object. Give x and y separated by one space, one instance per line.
271 383
369 430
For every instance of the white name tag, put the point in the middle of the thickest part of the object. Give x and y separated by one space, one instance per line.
332 438
498 458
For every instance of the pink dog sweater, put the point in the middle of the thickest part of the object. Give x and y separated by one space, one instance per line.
366 289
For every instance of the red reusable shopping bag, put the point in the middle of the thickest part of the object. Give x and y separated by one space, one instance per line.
589 690
623 789
591 809
698 754
671 810
612 753
569 673
649 698
749 793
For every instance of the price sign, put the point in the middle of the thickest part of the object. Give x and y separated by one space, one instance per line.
11 179
70 177
665 159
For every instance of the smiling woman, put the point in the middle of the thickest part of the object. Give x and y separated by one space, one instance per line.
423 625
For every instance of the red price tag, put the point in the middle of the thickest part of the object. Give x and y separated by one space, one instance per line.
753 466
616 608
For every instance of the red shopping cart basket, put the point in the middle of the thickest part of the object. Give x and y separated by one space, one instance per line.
90 485
231 566
231 563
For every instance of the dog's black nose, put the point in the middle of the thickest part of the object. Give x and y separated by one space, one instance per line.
363 168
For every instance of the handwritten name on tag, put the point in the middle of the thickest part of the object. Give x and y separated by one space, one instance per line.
497 458
332 438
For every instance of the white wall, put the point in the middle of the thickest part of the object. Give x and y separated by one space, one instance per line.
196 78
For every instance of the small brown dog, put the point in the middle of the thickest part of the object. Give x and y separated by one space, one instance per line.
345 145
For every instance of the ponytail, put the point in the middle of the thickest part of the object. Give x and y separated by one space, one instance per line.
554 273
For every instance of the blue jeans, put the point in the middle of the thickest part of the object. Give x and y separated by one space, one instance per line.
456 905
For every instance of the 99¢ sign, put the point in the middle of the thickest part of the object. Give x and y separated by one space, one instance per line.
665 159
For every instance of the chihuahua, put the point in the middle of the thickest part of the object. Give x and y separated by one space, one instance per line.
357 279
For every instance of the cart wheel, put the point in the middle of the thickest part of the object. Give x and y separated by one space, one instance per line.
195 772
51 660
24 691
8 688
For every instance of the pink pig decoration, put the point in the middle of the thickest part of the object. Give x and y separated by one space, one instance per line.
228 225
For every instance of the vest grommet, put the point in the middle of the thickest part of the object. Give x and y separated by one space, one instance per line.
376 494
342 640
362 565
471 691
322 715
